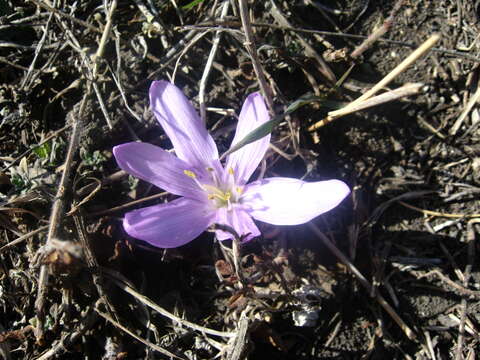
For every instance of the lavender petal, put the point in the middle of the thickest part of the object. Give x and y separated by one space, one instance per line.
181 123
169 225
286 201
245 160
157 166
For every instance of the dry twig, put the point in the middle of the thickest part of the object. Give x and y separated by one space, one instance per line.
384 82
136 337
58 211
392 95
467 274
208 65
22 238
252 51
145 300
382 30
323 67
474 99
383 303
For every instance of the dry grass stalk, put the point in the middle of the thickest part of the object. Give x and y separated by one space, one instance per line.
136 337
420 51
239 342
471 103
92 263
401 92
437 213
323 67
45 5
356 104
143 299
382 30
57 212
252 51
383 303
467 274
208 65
414 56
23 238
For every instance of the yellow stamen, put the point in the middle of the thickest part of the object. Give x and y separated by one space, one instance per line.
227 196
239 190
213 174
230 171
213 190
190 174
217 194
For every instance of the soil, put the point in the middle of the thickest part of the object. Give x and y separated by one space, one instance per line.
391 273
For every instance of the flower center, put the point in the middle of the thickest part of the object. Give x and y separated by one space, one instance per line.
222 193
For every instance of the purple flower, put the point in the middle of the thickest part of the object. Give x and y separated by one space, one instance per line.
210 192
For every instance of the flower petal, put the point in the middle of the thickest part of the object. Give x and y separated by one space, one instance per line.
181 123
245 160
285 201
157 166
239 220
169 225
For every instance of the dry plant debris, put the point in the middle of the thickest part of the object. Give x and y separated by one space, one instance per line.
392 273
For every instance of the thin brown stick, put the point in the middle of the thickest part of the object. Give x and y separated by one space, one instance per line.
136 337
414 56
23 238
461 289
383 303
208 65
57 212
382 30
92 262
9 63
439 214
66 16
230 25
98 56
38 50
127 205
323 67
190 44
111 178
471 103
393 95
467 274
145 300
252 51
105 35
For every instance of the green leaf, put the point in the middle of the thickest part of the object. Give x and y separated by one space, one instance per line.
191 5
268 127
43 152
18 182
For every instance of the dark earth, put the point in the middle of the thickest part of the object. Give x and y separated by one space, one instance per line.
392 273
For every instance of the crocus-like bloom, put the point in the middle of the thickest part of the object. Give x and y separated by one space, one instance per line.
211 192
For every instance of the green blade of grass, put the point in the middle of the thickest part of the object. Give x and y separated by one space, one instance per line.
192 4
268 127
